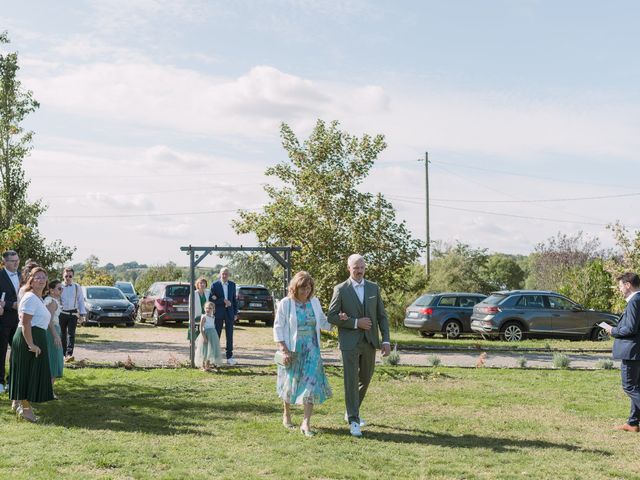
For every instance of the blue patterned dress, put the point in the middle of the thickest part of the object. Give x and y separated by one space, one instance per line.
303 380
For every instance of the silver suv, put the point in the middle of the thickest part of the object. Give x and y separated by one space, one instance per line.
446 313
512 315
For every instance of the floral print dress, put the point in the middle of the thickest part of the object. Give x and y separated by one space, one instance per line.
304 380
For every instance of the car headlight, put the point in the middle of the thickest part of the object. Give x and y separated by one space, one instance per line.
94 308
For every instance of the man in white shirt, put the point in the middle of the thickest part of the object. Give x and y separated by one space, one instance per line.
9 287
358 334
72 300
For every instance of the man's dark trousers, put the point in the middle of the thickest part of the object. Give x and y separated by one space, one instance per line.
630 373
68 324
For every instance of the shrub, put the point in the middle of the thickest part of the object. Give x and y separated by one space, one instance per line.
433 360
522 362
393 359
560 360
604 364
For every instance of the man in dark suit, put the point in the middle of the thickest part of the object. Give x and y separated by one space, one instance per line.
626 347
9 286
358 333
223 294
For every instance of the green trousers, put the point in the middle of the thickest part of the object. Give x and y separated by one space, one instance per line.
358 370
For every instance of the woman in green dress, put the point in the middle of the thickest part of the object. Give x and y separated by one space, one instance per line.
54 343
201 298
30 373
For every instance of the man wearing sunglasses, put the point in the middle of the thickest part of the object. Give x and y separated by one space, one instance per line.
73 309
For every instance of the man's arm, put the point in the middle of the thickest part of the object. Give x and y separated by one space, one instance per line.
383 321
234 300
630 321
80 298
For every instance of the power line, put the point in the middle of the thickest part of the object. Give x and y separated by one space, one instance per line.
134 215
540 200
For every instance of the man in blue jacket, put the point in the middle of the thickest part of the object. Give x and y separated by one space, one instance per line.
223 294
626 347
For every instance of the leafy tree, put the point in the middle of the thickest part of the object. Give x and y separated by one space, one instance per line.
551 261
590 285
15 145
503 272
458 268
255 268
320 209
160 273
91 274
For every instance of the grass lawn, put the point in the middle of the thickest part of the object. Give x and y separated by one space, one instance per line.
423 423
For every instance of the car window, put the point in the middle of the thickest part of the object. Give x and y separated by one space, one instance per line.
447 302
125 287
423 301
468 302
253 291
104 293
531 301
177 290
494 299
559 303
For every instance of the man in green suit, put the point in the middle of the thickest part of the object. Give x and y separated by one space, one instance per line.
358 333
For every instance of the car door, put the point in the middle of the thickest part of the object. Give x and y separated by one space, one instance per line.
567 319
146 302
535 314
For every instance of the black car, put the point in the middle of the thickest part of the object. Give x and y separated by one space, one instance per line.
107 306
446 313
129 291
513 315
255 302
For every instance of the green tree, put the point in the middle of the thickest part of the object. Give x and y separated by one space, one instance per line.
458 268
591 285
319 208
92 274
15 145
502 272
160 273
255 268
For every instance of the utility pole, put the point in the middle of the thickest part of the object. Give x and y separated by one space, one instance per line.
426 179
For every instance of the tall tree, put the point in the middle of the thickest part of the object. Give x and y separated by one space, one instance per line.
458 268
15 145
320 209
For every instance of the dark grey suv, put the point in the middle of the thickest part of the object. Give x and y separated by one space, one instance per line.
446 313
512 315
255 302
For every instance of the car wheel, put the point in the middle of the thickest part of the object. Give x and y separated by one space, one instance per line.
156 318
130 324
252 322
269 323
452 329
427 334
512 332
139 317
599 335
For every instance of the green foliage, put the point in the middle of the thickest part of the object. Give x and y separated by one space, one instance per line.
160 273
458 268
91 274
503 272
590 285
393 359
255 268
522 362
16 211
560 360
604 364
320 209
434 361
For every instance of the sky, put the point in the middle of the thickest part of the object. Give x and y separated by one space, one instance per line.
158 118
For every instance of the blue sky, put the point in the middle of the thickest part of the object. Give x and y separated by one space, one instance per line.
152 107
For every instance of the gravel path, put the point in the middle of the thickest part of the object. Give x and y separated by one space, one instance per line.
148 346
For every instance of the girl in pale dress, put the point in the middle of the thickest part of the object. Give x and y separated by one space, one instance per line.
54 343
296 330
208 343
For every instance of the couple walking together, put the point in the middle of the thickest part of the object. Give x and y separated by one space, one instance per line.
356 309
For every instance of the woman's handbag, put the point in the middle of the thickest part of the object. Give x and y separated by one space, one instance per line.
278 358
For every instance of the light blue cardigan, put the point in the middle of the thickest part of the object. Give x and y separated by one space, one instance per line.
285 326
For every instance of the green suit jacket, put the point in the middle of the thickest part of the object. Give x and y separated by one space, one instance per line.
345 299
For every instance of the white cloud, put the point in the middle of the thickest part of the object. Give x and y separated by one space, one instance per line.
123 203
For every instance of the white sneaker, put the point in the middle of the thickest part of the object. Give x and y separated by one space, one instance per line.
231 361
2 389
346 419
355 429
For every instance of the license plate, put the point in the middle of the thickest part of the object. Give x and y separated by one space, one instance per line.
255 304
181 308
114 314
413 315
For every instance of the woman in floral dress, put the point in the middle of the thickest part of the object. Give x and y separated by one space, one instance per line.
296 330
